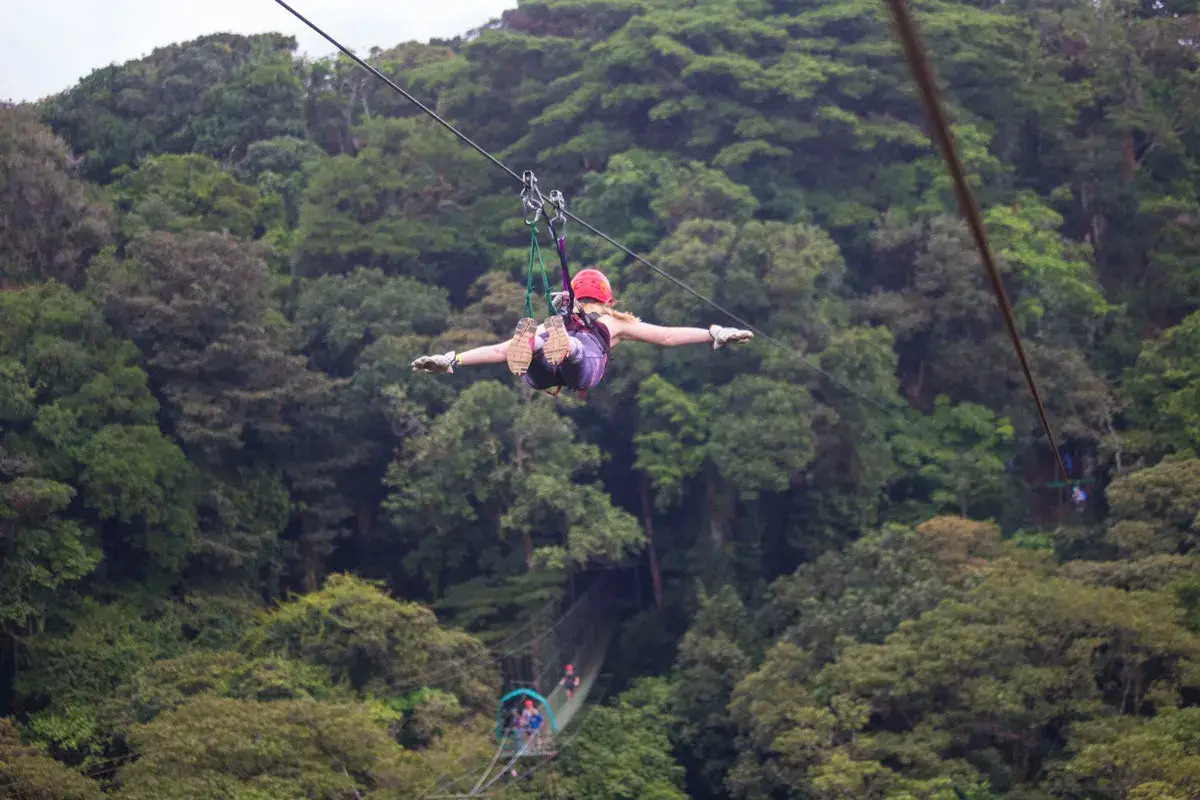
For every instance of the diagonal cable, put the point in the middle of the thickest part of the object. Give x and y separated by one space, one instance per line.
401 90
918 61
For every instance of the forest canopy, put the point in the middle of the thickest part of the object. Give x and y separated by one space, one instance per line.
247 552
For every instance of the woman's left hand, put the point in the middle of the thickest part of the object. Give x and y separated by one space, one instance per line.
723 336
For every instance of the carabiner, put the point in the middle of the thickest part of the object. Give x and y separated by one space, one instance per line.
559 220
531 198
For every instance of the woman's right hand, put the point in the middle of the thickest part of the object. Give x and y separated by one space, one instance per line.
442 363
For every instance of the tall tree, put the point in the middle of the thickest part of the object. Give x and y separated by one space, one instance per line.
50 221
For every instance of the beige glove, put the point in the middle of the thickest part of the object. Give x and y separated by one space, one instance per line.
723 336
560 300
442 363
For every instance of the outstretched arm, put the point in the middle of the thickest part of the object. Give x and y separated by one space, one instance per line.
660 335
488 354
675 336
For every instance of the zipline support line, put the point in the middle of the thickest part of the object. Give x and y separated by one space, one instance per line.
401 90
922 70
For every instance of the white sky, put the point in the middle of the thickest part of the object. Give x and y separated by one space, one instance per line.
48 45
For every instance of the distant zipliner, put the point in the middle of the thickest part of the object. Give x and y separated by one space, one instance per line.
571 348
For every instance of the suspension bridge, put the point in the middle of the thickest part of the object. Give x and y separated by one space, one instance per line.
533 670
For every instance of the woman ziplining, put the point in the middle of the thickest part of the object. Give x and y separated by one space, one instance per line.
571 348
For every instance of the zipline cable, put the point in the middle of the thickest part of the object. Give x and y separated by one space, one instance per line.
610 240
922 70
401 90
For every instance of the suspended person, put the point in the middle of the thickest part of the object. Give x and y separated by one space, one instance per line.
569 681
514 723
535 725
526 717
530 721
517 727
1079 498
573 352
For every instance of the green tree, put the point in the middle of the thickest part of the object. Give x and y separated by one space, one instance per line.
27 772
163 103
956 456
1153 759
237 379
85 464
950 338
373 643
493 467
863 593
1155 511
168 683
180 193
341 315
1162 388
253 749
963 673
402 205
279 167
712 659
624 750
262 98
71 670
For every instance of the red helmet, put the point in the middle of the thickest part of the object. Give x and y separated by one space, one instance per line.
591 284
529 704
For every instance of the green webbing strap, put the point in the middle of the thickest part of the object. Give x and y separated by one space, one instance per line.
535 254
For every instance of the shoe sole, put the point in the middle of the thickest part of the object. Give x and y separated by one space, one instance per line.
558 345
520 347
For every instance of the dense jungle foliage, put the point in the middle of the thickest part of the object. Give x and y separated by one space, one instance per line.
245 552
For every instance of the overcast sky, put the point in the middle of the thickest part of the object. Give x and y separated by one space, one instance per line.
48 45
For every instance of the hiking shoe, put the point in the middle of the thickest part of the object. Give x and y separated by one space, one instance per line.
520 348
558 345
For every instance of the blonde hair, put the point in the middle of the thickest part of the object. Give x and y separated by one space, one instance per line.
605 310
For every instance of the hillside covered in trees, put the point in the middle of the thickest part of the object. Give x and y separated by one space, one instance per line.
245 552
